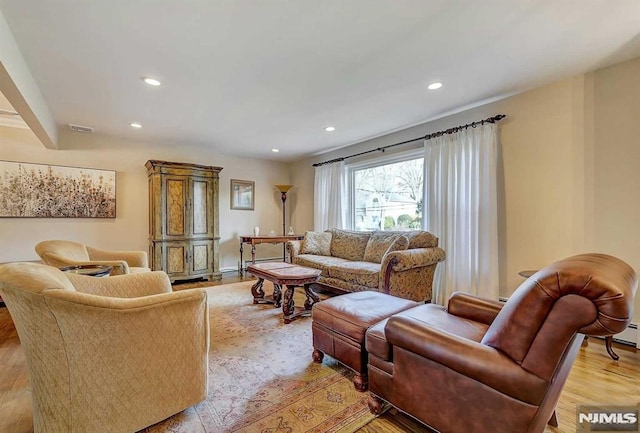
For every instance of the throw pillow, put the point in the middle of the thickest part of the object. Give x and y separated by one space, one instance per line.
380 243
318 243
400 244
348 244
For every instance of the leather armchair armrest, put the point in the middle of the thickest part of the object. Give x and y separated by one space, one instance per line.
468 358
133 258
123 286
474 307
293 247
409 259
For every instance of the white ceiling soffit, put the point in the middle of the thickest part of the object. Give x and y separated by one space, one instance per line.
243 77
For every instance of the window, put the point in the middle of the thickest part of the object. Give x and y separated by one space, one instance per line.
386 193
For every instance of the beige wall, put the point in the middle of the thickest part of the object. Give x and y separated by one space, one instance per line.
129 230
569 178
537 215
616 163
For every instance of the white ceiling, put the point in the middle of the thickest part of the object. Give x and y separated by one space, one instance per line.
241 77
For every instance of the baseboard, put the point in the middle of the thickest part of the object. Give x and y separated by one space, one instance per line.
228 270
629 336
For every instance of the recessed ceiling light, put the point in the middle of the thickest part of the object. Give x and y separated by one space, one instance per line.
275 150
151 81
330 128
434 86
135 125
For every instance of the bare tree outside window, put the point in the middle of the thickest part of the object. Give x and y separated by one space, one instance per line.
389 196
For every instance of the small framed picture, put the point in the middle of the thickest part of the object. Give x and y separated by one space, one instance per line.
242 193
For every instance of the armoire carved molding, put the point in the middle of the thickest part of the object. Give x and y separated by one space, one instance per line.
184 229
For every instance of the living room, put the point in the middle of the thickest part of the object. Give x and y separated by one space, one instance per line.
567 181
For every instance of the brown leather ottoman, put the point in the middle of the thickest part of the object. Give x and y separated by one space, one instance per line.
340 323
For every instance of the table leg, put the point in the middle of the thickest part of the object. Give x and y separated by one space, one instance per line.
257 292
312 297
288 306
253 253
241 263
277 295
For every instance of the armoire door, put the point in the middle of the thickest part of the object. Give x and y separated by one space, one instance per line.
175 258
199 257
201 207
175 201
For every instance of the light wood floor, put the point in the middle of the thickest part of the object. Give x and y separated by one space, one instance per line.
595 379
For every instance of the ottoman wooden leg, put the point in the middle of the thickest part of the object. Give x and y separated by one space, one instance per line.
318 356
376 405
360 382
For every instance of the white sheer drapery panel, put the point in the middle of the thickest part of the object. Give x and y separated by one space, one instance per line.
461 209
330 197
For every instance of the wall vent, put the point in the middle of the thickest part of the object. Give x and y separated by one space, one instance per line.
11 119
83 129
8 113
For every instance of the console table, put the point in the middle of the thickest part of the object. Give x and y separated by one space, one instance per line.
256 240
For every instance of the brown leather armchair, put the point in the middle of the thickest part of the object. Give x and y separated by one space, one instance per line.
483 367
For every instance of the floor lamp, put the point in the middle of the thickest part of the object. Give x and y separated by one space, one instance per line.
283 195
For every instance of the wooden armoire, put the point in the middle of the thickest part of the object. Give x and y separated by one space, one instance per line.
183 219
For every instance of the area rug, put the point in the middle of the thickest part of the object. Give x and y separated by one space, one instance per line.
262 378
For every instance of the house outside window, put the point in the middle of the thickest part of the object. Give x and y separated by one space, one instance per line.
386 193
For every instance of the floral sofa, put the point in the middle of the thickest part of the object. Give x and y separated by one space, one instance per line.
397 263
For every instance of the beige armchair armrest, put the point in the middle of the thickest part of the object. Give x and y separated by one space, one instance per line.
293 247
123 286
156 347
133 258
120 267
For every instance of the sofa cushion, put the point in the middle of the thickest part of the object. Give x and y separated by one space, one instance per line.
318 243
361 273
381 242
349 245
318 262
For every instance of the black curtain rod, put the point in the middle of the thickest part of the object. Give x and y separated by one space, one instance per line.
453 130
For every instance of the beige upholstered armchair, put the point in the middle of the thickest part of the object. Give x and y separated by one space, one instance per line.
66 253
113 354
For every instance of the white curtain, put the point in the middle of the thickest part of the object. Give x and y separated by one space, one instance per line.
460 208
330 197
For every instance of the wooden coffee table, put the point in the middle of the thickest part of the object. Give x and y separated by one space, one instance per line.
289 275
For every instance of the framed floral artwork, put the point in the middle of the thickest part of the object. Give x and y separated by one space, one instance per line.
52 191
